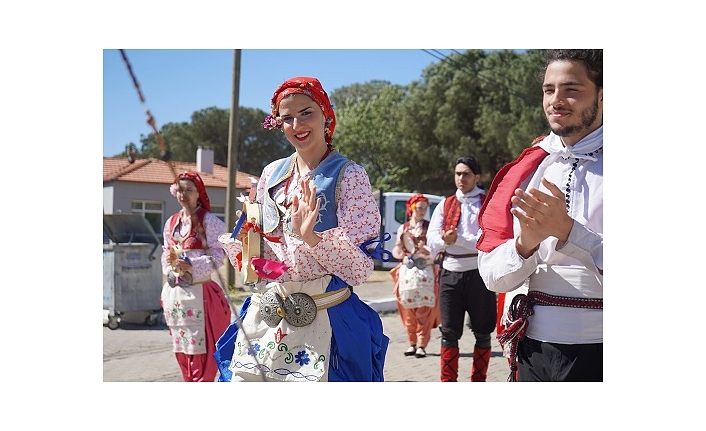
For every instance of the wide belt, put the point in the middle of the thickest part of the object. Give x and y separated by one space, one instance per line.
298 309
519 312
181 280
419 262
458 256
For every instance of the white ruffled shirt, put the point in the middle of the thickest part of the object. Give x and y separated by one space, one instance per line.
572 269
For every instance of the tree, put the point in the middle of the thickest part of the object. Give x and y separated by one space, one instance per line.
209 128
510 114
367 131
177 137
206 129
257 146
438 121
487 104
478 103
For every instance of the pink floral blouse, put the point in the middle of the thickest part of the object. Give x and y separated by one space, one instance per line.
339 251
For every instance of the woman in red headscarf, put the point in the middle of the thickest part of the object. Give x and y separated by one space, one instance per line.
416 278
313 217
195 307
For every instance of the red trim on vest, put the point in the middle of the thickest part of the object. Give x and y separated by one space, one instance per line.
452 212
495 218
196 239
496 209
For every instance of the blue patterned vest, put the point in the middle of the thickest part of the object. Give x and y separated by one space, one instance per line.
327 178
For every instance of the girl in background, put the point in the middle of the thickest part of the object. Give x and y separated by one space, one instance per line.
195 308
415 278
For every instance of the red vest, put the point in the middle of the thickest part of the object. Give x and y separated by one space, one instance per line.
452 211
196 238
495 218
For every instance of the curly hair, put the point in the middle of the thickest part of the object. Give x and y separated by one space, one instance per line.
592 59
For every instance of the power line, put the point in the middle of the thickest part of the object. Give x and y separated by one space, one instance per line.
472 70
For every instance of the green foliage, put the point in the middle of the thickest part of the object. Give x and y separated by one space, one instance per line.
511 107
210 128
366 131
487 104
257 147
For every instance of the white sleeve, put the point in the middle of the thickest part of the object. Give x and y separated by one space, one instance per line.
586 246
503 269
434 241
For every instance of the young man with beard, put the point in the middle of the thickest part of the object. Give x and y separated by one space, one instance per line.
542 232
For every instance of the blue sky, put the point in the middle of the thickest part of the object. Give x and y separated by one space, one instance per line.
177 82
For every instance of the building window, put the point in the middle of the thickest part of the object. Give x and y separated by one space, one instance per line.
153 212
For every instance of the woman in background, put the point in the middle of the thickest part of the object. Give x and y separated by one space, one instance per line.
415 278
195 307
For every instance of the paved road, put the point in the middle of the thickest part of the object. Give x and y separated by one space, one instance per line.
138 353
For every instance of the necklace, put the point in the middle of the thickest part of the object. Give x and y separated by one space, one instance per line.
574 165
285 204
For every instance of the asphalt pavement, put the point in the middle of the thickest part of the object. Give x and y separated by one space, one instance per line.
136 352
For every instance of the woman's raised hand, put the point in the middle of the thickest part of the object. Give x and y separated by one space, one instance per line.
305 212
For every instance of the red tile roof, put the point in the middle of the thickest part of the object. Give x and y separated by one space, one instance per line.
161 172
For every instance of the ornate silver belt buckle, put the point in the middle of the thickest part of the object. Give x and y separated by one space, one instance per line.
271 308
299 309
420 263
184 280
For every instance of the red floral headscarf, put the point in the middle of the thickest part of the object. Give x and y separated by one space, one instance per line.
413 200
200 187
312 88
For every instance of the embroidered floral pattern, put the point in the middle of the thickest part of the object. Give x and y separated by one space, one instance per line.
416 287
302 358
186 341
176 313
254 350
279 335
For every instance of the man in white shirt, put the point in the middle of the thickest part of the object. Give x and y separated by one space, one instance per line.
550 242
452 234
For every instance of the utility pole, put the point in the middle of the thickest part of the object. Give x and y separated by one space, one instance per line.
233 132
